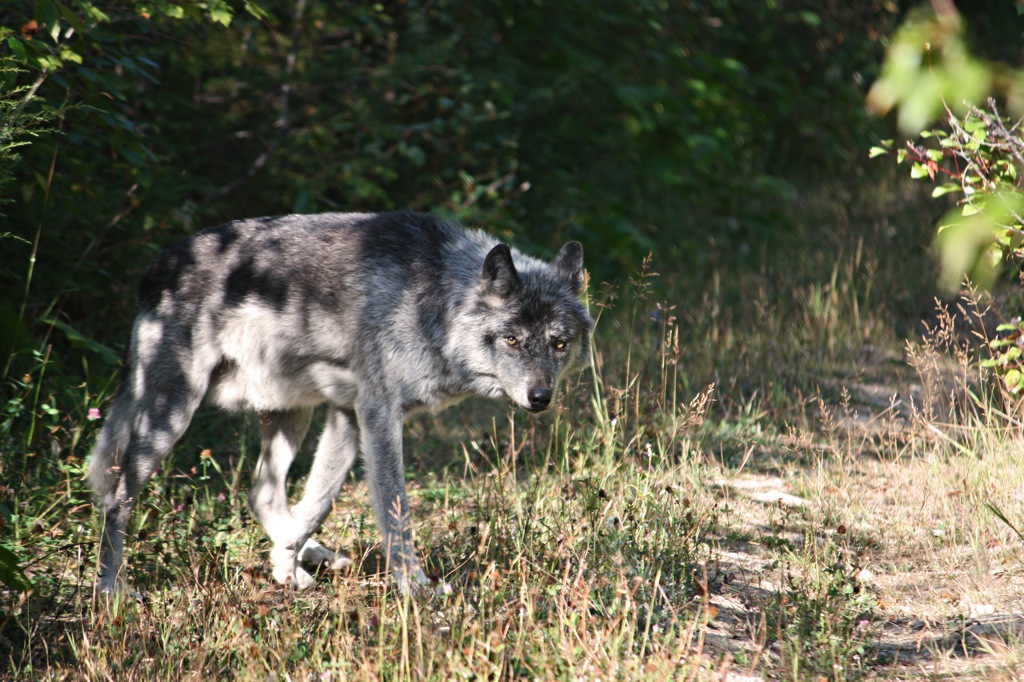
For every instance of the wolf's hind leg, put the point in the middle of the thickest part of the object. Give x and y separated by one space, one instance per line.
154 405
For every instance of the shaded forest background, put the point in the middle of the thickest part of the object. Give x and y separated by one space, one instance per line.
715 134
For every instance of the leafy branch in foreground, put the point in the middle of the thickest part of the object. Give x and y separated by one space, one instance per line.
928 73
977 157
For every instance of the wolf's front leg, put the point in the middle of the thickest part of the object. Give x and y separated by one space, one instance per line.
381 436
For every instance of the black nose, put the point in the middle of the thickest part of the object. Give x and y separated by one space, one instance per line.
540 397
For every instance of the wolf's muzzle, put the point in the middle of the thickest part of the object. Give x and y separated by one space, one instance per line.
539 397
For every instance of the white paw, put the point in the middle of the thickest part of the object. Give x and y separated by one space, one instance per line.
286 570
293 577
315 556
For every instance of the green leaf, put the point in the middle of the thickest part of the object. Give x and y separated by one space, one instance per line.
18 48
991 507
69 16
876 151
1013 380
918 171
69 55
964 247
46 14
945 189
11 573
810 18
255 10
78 339
49 62
94 12
221 15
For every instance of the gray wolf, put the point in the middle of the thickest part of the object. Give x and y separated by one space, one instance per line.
375 315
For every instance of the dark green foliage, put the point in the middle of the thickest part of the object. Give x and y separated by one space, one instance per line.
11 574
634 126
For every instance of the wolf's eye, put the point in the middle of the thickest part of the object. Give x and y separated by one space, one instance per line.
559 344
511 340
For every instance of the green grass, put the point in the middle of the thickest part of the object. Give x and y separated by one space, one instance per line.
558 568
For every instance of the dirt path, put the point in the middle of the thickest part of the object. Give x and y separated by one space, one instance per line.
944 573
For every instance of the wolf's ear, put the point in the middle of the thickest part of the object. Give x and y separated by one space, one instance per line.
499 276
569 264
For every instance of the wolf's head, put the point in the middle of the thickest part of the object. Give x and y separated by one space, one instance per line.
527 325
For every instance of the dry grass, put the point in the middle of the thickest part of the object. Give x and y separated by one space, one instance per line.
781 489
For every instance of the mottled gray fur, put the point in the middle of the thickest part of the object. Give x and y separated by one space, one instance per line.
376 315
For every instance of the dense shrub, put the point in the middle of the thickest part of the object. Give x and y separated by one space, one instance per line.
635 126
